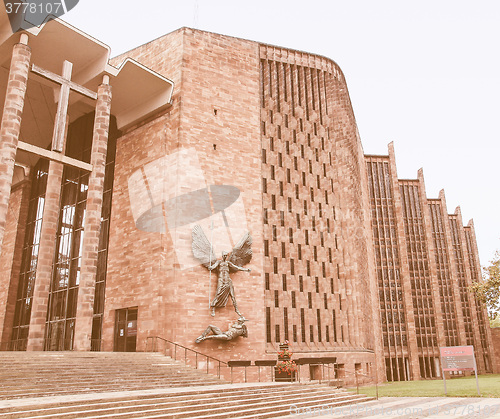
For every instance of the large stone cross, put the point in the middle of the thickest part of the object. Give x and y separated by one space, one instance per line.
58 138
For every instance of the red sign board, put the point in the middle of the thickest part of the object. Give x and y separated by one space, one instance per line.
458 358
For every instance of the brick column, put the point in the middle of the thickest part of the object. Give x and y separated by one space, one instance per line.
378 347
481 310
404 272
11 122
92 227
453 272
478 349
436 300
45 257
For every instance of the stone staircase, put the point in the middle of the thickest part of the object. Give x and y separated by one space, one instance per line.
142 385
32 374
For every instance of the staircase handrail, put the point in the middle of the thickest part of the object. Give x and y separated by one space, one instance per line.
356 373
186 349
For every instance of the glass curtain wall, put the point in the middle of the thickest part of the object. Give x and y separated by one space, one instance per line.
24 300
61 312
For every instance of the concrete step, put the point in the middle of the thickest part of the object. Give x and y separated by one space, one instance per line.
283 409
140 385
32 374
20 393
76 390
181 401
262 401
54 378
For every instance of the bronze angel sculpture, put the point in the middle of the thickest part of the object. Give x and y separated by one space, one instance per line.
240 256
235 329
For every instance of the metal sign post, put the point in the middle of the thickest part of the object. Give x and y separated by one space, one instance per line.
458 358
475 370
444 378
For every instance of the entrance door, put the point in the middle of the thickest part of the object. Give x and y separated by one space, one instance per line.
126 330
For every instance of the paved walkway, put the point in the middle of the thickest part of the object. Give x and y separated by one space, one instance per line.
410 407
384 408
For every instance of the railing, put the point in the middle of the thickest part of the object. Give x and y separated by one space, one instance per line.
95 345
339 374
173 349
57 344
327 373
245 371
21 345
252 373
15 345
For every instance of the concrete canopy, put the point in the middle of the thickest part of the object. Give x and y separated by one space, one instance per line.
138 92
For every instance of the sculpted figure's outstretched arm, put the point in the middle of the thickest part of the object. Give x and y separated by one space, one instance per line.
239 268
211 268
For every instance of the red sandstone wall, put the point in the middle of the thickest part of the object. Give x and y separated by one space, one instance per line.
211 72
134 274
316 210
216 116
495 337
358 256
222 74
354 204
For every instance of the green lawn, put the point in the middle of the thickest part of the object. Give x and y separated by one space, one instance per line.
489 386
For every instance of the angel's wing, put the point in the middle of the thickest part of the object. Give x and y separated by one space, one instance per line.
242 252
201 247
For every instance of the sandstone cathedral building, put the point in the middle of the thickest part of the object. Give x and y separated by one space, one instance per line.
107 166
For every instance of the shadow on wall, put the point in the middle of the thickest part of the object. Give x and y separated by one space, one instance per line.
172 193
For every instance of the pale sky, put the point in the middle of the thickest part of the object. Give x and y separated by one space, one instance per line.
424 74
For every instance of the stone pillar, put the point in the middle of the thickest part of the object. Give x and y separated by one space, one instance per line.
11 123
379 359
45 257
433 270
454 277
481 310
478 349
404 272
92 227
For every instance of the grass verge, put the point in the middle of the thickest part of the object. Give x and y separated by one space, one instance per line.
489 386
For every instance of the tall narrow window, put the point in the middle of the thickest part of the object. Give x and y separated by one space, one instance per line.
268 325
318 317
24 301
302 325
285 322
334 326
63 291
